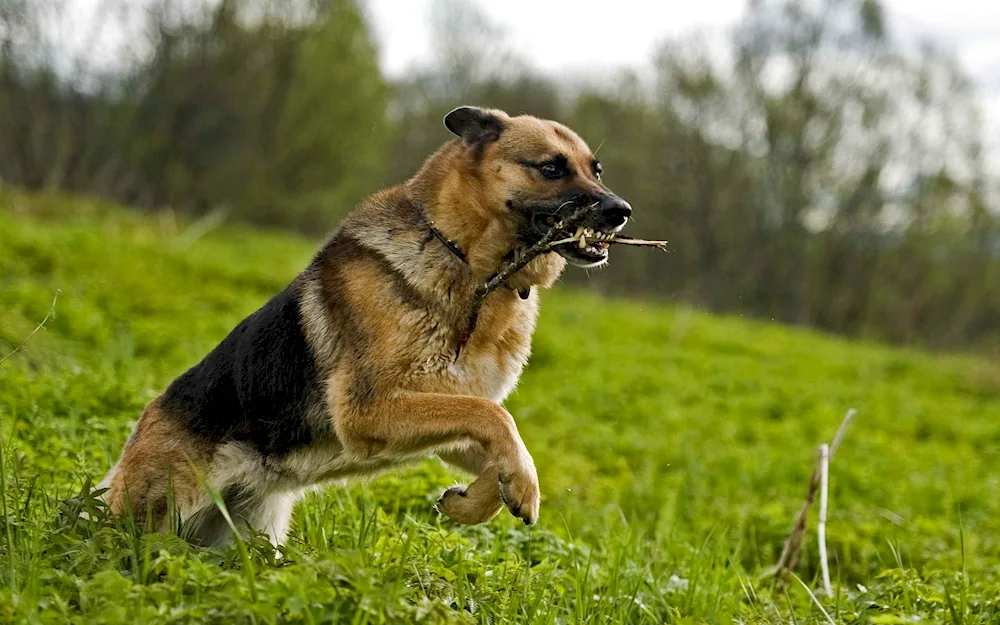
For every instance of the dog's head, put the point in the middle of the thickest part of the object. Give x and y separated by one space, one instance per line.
534 171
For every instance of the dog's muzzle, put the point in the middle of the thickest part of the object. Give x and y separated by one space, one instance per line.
609 216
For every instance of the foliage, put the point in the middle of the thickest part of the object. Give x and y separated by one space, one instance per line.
272 112
673 448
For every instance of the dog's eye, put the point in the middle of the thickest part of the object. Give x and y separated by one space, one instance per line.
552 171
598 170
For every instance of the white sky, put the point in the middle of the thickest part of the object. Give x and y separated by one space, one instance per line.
576 34
556 36
581 37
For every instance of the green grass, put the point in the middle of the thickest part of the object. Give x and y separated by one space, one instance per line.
673 448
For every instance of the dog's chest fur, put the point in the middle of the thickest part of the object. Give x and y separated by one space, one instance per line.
414 298
490 363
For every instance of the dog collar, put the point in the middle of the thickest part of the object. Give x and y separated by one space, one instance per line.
456 250
448 243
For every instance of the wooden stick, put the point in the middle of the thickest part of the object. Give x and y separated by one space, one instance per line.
547 242
630 241
793 545
522 259
518 263
620 239
824 480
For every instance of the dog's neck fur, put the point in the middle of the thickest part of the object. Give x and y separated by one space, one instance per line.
453 177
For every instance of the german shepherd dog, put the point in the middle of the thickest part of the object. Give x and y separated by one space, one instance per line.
365 360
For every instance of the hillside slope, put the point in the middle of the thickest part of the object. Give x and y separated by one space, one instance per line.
673 449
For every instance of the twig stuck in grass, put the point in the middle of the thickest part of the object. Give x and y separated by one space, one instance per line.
842 430
49 315
793 546
824 481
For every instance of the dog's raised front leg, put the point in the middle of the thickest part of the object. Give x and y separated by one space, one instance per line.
478 502
413 423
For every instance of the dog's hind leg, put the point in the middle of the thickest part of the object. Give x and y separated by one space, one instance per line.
157 475
479 502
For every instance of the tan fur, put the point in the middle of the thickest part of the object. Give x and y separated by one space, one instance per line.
158 455
384 311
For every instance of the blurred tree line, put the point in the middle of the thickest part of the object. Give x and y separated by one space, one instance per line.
274 111
809 168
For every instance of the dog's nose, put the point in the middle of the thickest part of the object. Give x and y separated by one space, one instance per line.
615 211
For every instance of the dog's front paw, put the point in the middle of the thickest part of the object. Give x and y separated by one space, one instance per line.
520 493
463 505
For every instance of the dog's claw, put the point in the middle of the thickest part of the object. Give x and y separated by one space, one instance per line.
520 497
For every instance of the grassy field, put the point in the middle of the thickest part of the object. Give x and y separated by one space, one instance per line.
673 448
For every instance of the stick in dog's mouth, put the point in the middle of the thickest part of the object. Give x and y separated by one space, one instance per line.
545 244
584 235
548 242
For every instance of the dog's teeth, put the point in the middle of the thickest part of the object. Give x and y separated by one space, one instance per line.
583 242
579 233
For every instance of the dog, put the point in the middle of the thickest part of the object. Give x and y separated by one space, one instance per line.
365 360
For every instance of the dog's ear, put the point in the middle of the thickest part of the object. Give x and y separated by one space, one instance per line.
475 125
